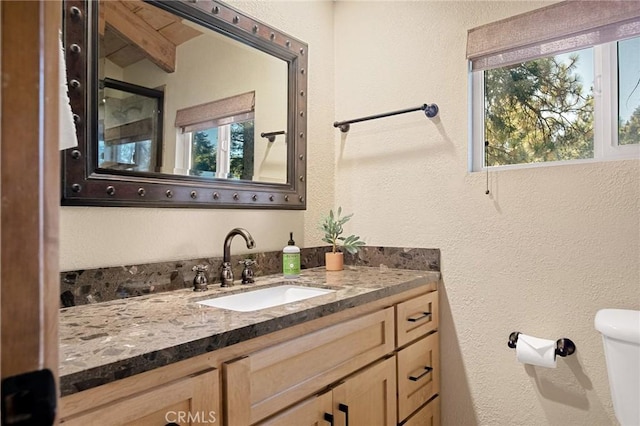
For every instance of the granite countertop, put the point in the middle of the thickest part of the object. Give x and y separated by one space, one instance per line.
108 341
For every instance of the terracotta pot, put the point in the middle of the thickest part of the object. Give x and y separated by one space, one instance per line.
334 261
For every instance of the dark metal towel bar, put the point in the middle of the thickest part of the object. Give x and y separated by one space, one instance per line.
271 136
430 110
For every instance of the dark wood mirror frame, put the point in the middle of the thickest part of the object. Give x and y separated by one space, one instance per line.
83 184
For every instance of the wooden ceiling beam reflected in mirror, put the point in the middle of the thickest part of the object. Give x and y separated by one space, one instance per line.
136 32
147 46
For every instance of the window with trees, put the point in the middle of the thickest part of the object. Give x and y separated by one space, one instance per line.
532 106
224 151
629 91
217 138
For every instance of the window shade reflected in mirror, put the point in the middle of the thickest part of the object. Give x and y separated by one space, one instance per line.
218 139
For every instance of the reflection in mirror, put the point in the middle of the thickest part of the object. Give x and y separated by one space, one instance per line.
217 138
208 76
129 127
222 150
183 103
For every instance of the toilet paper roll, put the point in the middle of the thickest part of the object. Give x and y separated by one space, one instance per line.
536 351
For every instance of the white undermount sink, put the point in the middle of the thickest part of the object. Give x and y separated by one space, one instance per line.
254 300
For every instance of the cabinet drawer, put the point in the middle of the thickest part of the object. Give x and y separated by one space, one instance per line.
269 380
315 411
416 317
429 415
189 401
418 374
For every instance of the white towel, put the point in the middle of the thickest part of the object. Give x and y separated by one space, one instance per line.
67 129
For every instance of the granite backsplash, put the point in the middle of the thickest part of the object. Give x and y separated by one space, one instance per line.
103 284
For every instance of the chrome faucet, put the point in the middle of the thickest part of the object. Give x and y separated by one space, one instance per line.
226 275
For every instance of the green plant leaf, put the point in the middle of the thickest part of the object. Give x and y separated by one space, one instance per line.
332 227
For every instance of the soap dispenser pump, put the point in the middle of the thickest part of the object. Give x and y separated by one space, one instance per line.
291 259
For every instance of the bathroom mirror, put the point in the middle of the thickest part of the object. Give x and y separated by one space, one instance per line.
183 104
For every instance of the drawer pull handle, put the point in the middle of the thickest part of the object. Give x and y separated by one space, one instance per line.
418 317
328 418
420 374
345 409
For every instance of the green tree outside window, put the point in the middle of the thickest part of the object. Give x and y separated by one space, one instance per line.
537 111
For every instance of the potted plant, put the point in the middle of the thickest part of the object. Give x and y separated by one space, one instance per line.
332 228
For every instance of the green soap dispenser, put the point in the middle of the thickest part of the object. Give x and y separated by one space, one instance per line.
291 259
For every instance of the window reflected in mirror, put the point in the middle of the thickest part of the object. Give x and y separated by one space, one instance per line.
217 93
217 138
224 151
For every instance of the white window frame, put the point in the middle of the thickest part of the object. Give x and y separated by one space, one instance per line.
223 156
183 152
223 153
605 117
220 114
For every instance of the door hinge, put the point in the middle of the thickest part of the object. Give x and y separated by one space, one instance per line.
29 399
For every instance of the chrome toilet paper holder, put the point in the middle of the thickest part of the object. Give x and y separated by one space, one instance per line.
564 346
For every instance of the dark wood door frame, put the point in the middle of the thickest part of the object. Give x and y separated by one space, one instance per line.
29 186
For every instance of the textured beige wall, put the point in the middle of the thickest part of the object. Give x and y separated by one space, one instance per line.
547 249
93 237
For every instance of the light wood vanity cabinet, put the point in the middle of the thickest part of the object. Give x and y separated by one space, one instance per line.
418 374
264 383
366 398
416 317
269 380
418 360
192 400
429 415
375 364
313 411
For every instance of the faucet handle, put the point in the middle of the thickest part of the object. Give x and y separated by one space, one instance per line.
247 272
200 268
200 280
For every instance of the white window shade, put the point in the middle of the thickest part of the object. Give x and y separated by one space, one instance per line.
561 27
201 115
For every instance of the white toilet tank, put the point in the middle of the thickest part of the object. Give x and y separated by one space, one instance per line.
620 330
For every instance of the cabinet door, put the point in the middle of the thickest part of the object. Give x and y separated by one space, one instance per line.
266 382
367 398
193 400
315 411
429 415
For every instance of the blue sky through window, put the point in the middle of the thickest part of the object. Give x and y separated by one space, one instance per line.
584 67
